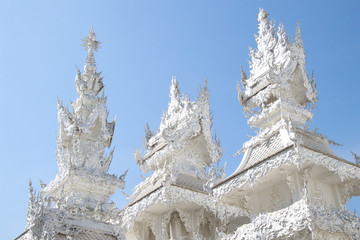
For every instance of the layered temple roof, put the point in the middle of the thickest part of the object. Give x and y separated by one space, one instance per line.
183 147
290 184
278 97
84 133
183 123
76 202
178 154
278 86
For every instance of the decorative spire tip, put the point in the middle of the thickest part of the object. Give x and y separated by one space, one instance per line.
89 42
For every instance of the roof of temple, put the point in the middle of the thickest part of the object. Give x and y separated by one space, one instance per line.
279 86
184 122
278 98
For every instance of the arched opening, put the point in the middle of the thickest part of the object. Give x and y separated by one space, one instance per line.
176 228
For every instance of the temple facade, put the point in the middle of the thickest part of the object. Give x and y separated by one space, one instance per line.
289 184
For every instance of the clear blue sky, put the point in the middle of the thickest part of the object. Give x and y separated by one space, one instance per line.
144 43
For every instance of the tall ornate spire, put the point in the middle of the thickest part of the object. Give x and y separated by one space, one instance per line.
298 40
174 94
181 124
84 134
266 41
90 83
278 86
182 155
77 200
279 96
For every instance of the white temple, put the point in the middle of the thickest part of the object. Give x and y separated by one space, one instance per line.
290 184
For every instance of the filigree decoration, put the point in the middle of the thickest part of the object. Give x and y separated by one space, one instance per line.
301 158
89 42
82 188
180 125
47 218
85 132
297 218
278 72
169 196
277 97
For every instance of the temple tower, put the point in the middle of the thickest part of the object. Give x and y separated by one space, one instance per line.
75 205
290 183
175 201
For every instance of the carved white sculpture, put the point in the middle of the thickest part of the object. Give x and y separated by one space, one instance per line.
278 85
289 184
178 154
183 121
77 201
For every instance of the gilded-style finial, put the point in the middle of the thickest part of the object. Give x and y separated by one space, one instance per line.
89 42
262 14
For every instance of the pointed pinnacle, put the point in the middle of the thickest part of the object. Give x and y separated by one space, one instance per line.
205 88
298 27
262 14
77 69
243 76
174 88
59 105
298 39
237 85
89 42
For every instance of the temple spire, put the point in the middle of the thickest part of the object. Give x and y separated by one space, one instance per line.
174 89
89 42
90 83
278 87
298 40
203 94
84 136
266 41
174 94
266 33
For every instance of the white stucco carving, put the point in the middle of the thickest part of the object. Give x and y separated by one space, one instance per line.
297 185
183 121
300 218
290 184
178 153
78 198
